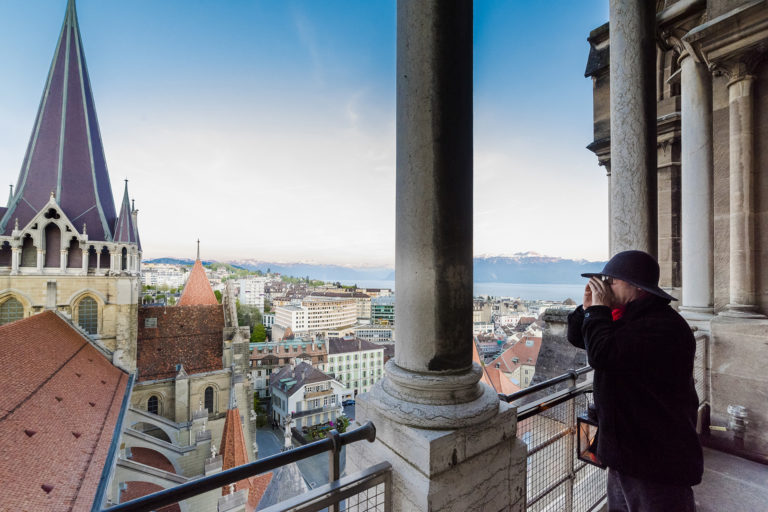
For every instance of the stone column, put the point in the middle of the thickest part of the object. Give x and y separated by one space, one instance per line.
742 228
86 258
633 125
450 441
15 259
696 189
63 260
98 258
40 259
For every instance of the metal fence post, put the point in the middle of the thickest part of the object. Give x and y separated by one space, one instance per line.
334 464
570 445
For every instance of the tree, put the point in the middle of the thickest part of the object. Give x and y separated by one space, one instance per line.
259 333
171 301
248 315
217 293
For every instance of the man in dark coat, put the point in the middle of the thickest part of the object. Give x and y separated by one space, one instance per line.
642 352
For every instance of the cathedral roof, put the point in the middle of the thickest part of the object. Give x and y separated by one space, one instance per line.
235 453
198 291
125 229
65 154
59 409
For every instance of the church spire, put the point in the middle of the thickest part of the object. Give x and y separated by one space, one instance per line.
65 153
125 229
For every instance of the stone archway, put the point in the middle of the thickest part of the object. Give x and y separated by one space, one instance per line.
52 246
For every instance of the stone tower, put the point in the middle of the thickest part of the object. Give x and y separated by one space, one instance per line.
63 246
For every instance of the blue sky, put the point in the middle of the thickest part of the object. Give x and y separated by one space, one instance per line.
266 128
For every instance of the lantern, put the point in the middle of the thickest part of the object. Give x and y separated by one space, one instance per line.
586 440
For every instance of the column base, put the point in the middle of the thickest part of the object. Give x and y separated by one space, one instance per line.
476 468
445 400
697 316
741 311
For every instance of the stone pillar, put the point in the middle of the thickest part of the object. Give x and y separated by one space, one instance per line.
742 161
63 260
450 441
182 409
15 259
98 258
40 259
86 258
696 189
633 125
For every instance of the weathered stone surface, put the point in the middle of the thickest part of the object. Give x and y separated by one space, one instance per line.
476 468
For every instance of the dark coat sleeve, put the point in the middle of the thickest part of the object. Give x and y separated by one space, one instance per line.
575 321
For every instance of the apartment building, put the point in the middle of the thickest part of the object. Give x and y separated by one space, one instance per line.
308 395
252 291
355 363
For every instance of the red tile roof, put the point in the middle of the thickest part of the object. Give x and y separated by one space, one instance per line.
197 291
151 458
59 407
135 490
192 336
525 354
493 377
234 453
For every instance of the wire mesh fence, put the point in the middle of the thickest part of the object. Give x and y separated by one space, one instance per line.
556 479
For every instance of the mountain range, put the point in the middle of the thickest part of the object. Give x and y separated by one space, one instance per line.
528 267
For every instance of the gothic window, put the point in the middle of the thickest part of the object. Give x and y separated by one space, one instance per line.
5 254
52 246
28 252
104 261
209 399
91 257
88 315
75 258
124 259
153 405
10 311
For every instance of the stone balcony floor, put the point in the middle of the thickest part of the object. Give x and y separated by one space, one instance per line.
731 484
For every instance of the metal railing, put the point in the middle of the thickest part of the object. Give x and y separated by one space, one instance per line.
370 489
556 479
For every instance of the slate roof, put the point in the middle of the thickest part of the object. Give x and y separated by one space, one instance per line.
125 229
197 291
59 408
65 154
296 378
234 453
343 345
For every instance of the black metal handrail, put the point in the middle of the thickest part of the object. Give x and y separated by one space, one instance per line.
571 375
332 443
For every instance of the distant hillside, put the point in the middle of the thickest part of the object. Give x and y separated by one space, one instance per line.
526 267
532 268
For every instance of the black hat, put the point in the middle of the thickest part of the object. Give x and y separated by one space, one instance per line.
638 268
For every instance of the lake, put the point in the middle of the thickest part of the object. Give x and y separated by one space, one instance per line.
529 291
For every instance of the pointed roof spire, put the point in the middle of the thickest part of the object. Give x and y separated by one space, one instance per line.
234 452
198 291
125 231
198 250
65 152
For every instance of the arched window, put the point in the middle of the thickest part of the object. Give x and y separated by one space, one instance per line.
75 258
88 315
5 254
52 246
124 259
28 252
10 311
91 257
209 399
104 260
153 405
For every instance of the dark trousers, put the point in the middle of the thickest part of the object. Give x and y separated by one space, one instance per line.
630 494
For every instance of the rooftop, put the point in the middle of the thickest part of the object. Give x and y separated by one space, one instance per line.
57 423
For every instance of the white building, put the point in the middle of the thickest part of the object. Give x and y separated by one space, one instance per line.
356 363
375 333
252 291
316 314
310 396
160 274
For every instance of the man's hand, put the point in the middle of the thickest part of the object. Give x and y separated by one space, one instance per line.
587 297
602 295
